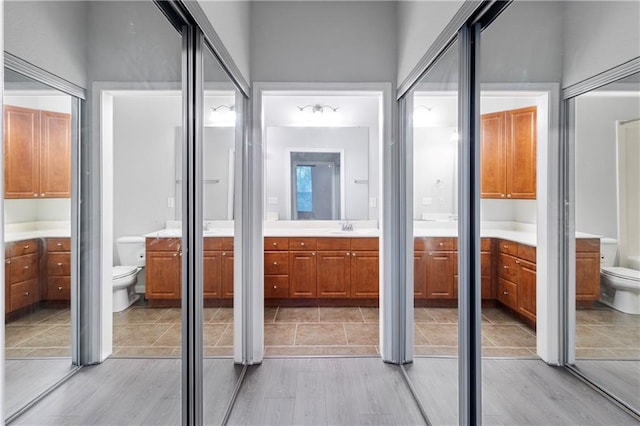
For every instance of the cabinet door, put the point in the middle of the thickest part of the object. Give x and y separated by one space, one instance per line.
7 286
527 289
365 267
333 276
420 274
55 155
440 275
302 274
212 271
21 152
492 154
227 274
508 293
163 275
521 153
587 276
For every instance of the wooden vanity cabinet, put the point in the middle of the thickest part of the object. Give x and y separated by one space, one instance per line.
37 154
302 272
517 277
163 268
587 269
486 270
58 285
22 275
365 268
276 268
334 267
508 163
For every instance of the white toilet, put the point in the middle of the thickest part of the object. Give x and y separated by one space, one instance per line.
131 251
619 287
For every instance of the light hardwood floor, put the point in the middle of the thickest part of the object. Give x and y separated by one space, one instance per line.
620 377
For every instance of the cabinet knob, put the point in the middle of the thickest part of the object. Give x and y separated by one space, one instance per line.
348 254
508 195
26 266
302 244
313 254
517 262
26 247
505 246
505 292
60 264
26 293
502 195
8 262
59 288
275 286
42 194
274 244
59 244
441 244
224 254
35 195
353 254
175 254
275 263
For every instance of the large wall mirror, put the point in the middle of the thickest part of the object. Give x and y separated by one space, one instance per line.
607 206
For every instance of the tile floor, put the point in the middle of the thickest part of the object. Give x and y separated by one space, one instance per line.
155 332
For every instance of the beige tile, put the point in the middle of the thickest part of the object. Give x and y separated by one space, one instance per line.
509 336
593 353
218 351
37 316
17 352
320 334
419 338
138 334
172 316
440 334
142 351
279 334
270 315
347 314
138 315
171 337
489 351
222 315
319 350
213 333
605 315
422 315
370 314
54 352
15 336
298 315
56 336
624 336
625 353
436 350
443 315
62 317
362 334
589 337
227 337
498 316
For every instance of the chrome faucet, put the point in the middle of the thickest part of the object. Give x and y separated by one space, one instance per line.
346 226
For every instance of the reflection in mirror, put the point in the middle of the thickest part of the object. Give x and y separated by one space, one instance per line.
607 199
315 185
37 224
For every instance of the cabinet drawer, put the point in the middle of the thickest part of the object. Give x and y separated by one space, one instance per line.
276 263
334 244
527 253
58 264
23 268
588 245
59 288
508 293
364 244
507 267
227 243
163 244
276 286
440 244
508 247
24 294
212 244
58 244
485 244
420 244
302 244
19 248
271 243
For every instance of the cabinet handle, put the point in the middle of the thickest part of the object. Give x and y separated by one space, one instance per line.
60 264
505 292
175 254
502 195
275 286
313 254
26 247
302 244
508 195
224 254
353 254
59 288
26 266
42 195
517 262
26 293
274 244
275 263
35 195
8 262
441 244
348 254
505 267
59 244
505 246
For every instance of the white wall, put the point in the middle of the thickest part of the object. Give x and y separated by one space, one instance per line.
596 163
49 34
419 24
598 35
323 41
231 20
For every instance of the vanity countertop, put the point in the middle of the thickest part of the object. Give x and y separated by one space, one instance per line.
29 230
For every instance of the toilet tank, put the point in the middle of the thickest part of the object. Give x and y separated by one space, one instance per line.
608 251
131 251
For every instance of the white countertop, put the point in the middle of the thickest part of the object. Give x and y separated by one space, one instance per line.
28 230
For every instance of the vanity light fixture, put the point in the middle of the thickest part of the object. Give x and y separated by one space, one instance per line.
223 116
318 108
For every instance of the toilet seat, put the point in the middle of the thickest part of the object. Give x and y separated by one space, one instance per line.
123 271
624 273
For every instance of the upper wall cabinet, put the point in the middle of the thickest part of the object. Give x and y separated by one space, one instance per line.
508 154
37 153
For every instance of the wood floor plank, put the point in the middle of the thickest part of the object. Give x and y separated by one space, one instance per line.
620 377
